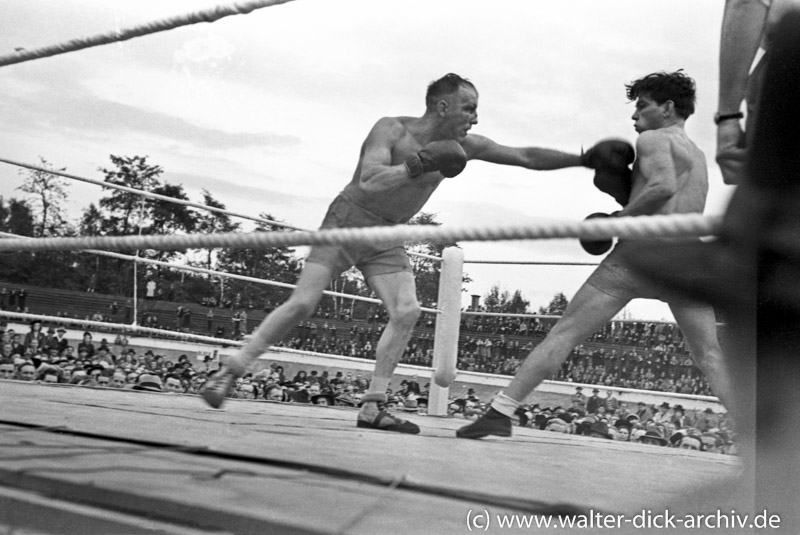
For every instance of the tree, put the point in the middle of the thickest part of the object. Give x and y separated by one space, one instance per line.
426 271
16 217
48 193
123 212
270 263
213 223
556 307
497 301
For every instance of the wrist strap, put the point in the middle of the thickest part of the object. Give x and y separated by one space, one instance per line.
719 117
414 166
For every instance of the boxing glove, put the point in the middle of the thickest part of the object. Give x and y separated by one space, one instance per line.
447 157
616 182
596 247
609 153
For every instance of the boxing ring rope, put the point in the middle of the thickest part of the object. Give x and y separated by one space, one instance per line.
658 226
529 263
208 15
196 269
102 325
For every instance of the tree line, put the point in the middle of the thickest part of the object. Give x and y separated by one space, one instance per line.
43 212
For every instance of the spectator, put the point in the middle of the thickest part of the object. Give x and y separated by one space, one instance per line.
173 384
7 369
26 372
149 382
86 345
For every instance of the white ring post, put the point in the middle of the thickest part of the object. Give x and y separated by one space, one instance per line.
445 337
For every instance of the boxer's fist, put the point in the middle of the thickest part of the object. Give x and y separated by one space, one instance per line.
447 157
609 154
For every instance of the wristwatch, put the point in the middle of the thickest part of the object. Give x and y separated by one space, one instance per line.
718 118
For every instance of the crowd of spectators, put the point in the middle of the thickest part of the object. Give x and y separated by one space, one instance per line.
607 417
48 356
625 354
614 357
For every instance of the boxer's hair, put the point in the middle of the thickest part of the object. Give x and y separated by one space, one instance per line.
446 85
663 86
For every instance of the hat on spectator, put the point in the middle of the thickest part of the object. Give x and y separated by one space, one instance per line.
595 390
94 368
619 424
600 428
664 405
410 404
149 382
556 425
61 330
50 329
654 434
316 397
676 437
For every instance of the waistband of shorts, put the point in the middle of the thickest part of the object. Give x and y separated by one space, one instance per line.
380 220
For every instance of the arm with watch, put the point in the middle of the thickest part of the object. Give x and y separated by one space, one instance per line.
742 27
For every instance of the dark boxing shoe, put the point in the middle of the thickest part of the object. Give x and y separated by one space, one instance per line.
491 423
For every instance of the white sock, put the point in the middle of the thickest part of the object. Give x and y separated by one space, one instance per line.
505 405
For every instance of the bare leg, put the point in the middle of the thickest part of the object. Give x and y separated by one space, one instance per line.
699 328
300 305
588 311
398 292
399 295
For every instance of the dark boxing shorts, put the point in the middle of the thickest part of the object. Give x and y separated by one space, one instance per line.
614 278
378 258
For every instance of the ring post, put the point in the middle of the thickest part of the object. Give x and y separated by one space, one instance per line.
445 339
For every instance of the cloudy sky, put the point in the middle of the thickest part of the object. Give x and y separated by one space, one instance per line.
268 110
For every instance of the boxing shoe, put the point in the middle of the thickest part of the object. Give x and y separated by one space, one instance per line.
373 415
491 423
220 385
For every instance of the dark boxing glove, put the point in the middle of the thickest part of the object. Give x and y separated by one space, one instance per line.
609 153
596 247
616 182
447 157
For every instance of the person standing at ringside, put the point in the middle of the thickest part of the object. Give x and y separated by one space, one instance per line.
669 177
402 162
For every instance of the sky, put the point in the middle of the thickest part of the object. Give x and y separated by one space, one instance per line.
268 110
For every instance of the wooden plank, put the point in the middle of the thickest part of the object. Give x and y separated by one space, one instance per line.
282 439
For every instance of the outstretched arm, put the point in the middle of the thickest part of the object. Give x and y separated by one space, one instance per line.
482 148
